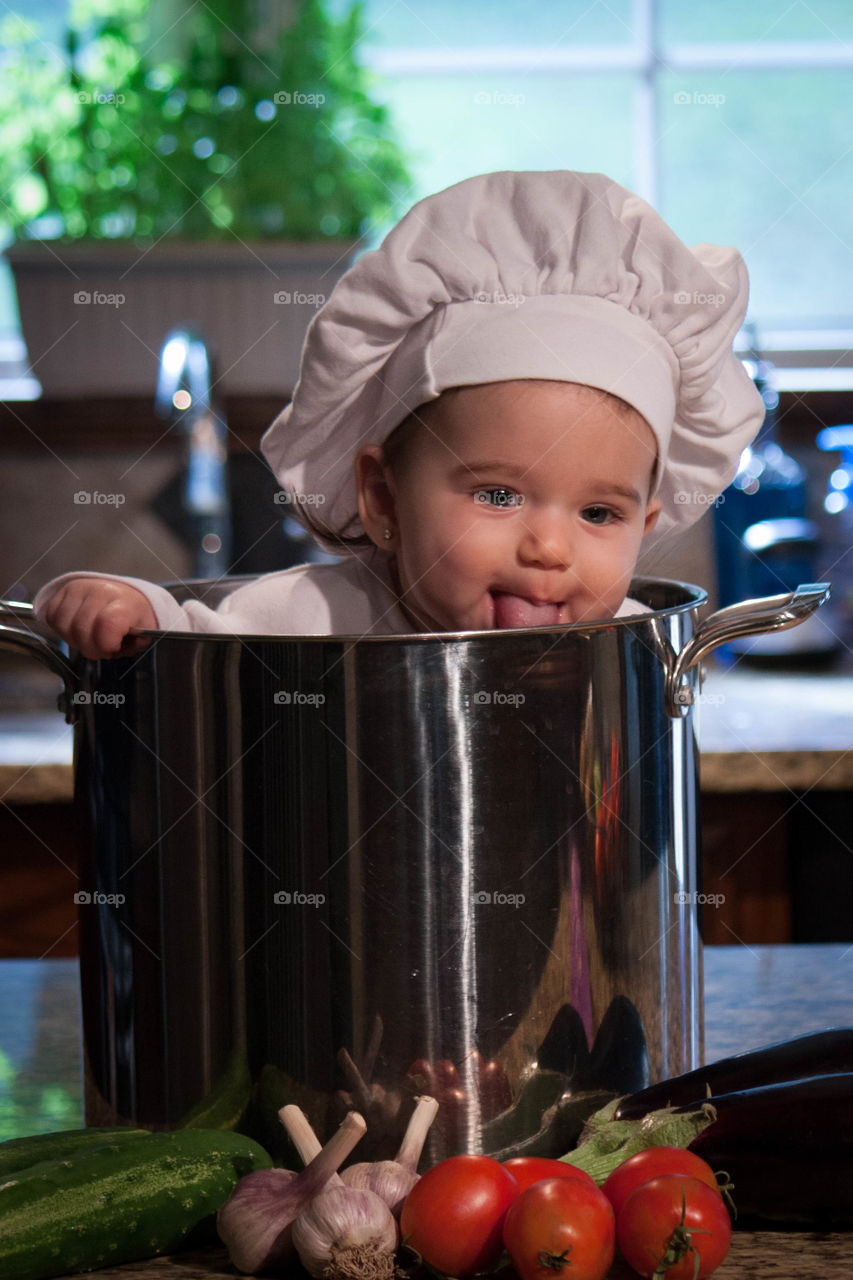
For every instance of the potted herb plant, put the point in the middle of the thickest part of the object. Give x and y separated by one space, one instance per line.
218 175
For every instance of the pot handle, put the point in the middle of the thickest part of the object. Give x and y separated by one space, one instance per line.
19 630
748 618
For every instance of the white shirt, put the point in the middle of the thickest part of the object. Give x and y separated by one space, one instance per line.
353 597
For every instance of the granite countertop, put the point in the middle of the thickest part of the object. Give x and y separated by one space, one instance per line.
753 996
760 730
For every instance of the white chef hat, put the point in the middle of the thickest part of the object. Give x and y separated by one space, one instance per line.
563 276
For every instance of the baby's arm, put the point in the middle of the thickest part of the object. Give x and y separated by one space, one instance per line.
95 615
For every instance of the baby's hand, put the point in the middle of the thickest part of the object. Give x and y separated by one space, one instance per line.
94 615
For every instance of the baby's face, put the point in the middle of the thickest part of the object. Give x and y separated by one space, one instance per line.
520 504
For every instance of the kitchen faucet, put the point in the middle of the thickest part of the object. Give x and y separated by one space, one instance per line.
184 399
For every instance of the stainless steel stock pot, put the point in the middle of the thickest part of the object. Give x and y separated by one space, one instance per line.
344 871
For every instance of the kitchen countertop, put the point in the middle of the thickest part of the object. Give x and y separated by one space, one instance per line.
758 731
753 996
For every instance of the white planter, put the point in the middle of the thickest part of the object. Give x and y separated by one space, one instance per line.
94 316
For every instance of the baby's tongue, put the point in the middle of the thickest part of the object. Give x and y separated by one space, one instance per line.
516 611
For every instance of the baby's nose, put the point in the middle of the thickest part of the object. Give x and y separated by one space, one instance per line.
546 541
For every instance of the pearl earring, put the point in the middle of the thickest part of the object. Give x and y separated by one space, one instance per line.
387 534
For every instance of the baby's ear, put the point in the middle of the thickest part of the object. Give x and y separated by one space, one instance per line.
652 513
376 506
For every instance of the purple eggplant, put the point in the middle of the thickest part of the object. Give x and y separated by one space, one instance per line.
822 1053
788 1150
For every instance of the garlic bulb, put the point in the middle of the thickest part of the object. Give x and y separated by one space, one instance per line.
392 1180
255 1222
346 1234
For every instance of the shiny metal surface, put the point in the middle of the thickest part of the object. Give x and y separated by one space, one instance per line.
343 872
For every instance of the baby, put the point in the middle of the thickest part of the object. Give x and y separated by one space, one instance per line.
495 409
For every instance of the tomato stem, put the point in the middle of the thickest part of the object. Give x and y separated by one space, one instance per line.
556 1261
679 1245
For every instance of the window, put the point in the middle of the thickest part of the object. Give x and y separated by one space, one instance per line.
734 120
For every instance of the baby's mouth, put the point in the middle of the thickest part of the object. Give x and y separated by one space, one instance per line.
518 611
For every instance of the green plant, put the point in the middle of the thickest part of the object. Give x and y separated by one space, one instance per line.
220 128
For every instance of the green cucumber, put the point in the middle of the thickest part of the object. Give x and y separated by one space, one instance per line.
120 1202
20 1153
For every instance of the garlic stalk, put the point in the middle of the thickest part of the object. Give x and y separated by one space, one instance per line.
346 1234
392 1180
255 1222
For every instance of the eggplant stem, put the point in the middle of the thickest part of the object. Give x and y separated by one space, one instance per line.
416 1132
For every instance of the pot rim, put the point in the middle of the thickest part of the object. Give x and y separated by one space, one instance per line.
696 596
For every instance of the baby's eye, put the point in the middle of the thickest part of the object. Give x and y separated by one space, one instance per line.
498 497
599 515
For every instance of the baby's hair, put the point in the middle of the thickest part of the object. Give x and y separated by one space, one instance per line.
394 449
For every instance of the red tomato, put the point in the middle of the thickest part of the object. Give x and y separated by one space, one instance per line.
652 1163
678 1218
454 1214
529 1169
560 1225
